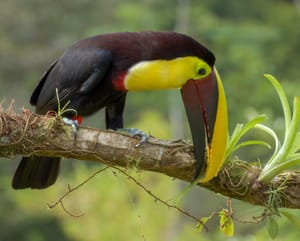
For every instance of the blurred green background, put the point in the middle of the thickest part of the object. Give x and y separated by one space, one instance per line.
249 38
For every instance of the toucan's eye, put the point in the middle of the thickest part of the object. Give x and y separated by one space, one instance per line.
202 71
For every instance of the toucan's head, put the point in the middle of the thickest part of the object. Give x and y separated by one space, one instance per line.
204 101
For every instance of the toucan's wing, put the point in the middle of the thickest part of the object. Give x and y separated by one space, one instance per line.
38 88
76 73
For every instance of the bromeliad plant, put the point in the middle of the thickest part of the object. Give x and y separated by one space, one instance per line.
286 154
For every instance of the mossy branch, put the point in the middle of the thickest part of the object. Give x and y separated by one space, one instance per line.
27 133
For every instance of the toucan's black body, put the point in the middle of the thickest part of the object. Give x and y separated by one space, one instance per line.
88 76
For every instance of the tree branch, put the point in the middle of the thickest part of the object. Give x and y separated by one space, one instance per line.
31 134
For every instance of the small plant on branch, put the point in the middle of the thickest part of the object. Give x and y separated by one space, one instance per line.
286 154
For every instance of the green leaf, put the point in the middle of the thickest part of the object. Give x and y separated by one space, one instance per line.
283 99
239 131
271 133
296 145
286 155
285 164
199 226
226 224
252 142
273 227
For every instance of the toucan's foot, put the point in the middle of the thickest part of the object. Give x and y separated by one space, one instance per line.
136 132
74 123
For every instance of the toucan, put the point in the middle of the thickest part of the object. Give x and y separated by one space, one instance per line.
97 72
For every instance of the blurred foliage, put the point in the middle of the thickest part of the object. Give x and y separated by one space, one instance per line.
249 38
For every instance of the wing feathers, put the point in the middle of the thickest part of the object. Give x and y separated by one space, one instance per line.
35 95
78 72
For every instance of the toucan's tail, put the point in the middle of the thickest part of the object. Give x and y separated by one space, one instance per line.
36 172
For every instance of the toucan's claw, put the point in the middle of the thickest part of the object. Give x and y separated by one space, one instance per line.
74 124
136 132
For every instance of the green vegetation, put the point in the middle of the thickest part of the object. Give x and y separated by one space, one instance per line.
287 155
249 38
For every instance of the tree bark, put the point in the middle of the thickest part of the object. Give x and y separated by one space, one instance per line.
31 134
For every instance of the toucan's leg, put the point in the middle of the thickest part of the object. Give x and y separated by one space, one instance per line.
114 113
114 119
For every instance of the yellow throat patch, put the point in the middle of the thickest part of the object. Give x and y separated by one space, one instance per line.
163 74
